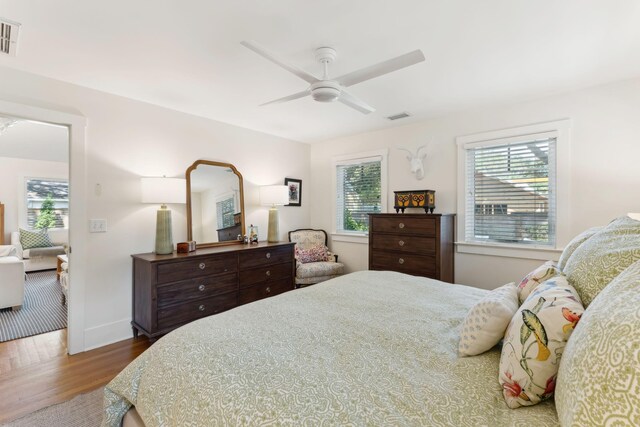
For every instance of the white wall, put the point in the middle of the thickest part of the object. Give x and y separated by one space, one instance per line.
13 172
127 139
605 176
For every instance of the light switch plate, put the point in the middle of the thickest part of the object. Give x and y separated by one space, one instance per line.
97 226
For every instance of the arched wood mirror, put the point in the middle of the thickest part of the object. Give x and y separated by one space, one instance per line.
215 203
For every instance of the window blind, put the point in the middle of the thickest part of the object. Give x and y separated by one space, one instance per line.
224 211
511 192
53 195
358 193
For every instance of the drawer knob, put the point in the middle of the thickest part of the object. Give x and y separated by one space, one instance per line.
268 255
401 225
401 260
268 273
201 288
401 242
268 290
201 308
202 266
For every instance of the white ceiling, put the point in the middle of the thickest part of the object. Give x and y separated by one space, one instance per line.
36 141
187 55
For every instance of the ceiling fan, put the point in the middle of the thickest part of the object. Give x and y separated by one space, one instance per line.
326 89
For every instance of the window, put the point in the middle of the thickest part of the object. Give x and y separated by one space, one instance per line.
513 186
225 210
360 185
47 203
510 190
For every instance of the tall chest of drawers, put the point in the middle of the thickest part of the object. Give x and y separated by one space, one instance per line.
418 244
172 290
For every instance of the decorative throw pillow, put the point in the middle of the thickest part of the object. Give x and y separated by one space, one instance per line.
601 258
34 239
486 322
598 376
312 254
534 342
573 245
545 272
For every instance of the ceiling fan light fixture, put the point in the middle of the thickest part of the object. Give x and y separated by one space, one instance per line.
325 91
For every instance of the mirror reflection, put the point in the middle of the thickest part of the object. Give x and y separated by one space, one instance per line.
215 203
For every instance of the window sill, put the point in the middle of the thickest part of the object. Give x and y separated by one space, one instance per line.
350 238
509 251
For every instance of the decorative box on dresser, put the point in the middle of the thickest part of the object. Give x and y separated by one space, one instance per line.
172 290
417 244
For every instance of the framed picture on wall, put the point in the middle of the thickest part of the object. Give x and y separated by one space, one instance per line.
295 191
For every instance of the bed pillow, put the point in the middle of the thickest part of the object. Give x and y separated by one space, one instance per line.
534 342
34 239
596 262
573 245
486 322
314 253
545 272
598 377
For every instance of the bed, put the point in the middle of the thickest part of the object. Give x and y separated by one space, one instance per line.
367 348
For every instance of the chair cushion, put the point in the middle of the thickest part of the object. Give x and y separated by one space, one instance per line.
312 254
34 239
322 268
7 250
598 378
596 262
308 238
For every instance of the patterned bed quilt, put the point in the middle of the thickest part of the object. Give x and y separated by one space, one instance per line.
367 348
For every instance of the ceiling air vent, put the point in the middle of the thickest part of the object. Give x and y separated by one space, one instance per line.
8 37
399 116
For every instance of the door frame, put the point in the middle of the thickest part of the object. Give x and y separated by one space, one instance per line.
77 209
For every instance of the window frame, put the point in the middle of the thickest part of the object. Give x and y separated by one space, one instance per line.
24 208
356 158
561 129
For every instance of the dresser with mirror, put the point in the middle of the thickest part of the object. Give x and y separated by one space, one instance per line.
172 290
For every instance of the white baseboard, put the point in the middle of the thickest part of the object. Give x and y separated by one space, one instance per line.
108 333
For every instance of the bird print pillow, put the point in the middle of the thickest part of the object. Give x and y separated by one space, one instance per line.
541 274
535 340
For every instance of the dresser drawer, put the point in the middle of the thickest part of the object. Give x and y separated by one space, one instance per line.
267 256
176 293
412 264
268 273
197 267
265 290
404 225
189 311
403 243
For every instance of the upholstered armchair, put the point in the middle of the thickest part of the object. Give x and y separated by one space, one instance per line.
11 278
314 263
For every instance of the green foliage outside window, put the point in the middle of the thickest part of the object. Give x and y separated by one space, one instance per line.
47 216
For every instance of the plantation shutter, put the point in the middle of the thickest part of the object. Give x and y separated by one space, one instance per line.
358 193
511 191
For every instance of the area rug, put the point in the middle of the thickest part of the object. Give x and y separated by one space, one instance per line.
84 410
41 312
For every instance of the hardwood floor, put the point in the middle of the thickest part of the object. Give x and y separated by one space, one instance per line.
36 372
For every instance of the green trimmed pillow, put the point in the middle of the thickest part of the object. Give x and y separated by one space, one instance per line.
596 262
573 245
534 342
599 375
34 239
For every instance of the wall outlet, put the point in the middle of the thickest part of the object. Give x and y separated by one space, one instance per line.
97 226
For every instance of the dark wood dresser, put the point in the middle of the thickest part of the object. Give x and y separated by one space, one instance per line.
172 290
418 244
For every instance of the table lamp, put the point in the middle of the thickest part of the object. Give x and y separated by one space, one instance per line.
163 191
274 195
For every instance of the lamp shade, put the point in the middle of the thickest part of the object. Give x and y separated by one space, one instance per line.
164 190
271 195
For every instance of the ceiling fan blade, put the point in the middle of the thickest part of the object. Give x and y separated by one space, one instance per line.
348 99
382 68
287 98
278 61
